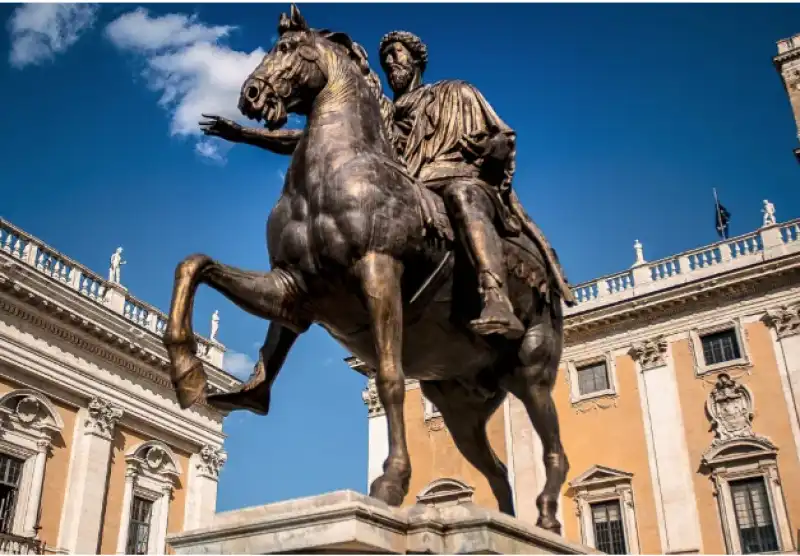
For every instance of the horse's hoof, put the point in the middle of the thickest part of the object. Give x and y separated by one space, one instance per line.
549 524
254 400
387 491
190 387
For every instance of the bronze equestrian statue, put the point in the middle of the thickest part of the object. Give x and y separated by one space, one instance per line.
361 243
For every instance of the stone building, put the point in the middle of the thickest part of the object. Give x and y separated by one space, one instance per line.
95 454
787 62
678 397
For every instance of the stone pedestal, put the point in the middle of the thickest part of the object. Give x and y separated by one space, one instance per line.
349 522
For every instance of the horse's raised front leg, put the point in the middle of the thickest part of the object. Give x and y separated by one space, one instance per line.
532 383
380 278
273 295
255 395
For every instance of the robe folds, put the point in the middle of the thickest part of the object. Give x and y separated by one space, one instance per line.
430 124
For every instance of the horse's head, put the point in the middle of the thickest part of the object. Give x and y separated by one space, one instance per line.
292 74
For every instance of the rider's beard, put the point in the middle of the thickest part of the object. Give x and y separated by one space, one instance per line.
400 78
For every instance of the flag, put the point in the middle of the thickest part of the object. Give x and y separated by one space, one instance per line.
721 217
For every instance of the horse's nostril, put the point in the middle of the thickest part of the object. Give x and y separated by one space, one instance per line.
252 92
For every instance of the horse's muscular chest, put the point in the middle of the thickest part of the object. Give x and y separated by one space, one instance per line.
320 216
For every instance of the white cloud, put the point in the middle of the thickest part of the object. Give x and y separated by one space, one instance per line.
136 30
185 62
238 364
40 31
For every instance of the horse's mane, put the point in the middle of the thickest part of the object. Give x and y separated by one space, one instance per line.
358 54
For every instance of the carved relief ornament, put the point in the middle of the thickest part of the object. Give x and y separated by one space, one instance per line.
785 320
650 353
103 417
730 407
211 461
370 397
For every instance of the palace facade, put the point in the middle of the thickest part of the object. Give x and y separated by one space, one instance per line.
678 398
95 454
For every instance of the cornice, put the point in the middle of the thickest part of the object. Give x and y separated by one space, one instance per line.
663 305
42 292
119 351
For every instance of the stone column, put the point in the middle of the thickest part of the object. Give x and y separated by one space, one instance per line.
82 512
157 543
378 432
32 511
201 500
785 323
670 465
127 500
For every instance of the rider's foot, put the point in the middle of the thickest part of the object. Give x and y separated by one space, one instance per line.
497 316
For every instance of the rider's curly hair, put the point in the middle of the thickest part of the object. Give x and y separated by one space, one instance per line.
412 42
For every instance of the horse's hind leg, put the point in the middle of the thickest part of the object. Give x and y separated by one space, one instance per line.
466 418
269 295
532 383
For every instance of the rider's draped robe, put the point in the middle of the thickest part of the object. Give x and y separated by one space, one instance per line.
430 123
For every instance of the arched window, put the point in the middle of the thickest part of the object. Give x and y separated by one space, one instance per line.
152 473
28 425
445 492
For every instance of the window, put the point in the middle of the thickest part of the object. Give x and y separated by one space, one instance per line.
606 511
139 528
609 532
753 516
592 378
10 473
720 347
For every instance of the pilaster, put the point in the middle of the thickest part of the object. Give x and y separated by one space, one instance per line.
785 330
670 464
201 499
378 432
88 476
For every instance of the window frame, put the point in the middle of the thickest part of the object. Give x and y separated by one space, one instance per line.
28 424
152 472
696 336
572 377
153 500
619 505
762 481
741 459
604 484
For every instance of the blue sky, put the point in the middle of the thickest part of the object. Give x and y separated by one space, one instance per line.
627 117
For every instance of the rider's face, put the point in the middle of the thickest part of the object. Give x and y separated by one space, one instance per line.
399 66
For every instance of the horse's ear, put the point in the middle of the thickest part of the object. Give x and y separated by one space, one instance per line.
298 21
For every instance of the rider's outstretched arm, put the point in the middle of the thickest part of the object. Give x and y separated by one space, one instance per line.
281 141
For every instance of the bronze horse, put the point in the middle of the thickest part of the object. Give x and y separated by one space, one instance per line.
351 250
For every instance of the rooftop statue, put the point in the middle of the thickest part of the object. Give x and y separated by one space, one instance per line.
399 233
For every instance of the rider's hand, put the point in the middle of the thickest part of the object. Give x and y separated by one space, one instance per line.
221 127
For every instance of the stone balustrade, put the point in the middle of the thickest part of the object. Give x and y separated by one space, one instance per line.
767 243
60 268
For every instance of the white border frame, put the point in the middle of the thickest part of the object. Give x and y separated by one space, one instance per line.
696 334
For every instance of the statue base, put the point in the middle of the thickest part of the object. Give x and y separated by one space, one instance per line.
349 522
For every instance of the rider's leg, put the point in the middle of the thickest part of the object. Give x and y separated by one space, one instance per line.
473 212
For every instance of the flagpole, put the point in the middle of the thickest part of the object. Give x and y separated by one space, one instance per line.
721 228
